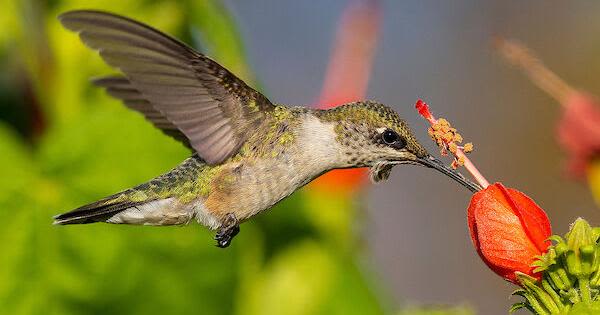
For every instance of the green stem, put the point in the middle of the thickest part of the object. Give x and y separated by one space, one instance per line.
564 276
555 297
584 289
537 307
595 278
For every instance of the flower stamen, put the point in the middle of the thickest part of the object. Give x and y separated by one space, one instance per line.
448 139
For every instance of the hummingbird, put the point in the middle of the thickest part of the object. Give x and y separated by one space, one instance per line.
247 152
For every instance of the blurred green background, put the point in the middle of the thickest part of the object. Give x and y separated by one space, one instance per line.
64 143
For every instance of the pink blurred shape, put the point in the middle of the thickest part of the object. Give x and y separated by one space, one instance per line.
578 130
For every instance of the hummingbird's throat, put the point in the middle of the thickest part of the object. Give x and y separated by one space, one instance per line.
380 171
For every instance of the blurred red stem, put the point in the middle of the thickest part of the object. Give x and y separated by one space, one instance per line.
538 73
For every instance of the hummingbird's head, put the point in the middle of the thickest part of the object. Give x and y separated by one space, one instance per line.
373 135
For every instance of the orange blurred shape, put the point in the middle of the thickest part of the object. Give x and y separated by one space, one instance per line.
342 181
347 77
508 230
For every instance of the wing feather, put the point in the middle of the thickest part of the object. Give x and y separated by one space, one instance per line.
121 88
181 91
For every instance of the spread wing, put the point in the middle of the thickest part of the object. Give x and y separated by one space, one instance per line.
180 90
119 87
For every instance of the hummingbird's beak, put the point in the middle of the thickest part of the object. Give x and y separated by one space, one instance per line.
430 161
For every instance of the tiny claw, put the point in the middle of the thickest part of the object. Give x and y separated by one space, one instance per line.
228 231
222 242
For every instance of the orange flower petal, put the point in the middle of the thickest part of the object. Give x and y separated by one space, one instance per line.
508 230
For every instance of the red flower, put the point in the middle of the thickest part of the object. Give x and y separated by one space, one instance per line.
508 230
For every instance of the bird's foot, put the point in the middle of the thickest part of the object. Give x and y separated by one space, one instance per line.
229 229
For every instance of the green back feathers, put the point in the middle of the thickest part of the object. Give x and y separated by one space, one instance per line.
369 112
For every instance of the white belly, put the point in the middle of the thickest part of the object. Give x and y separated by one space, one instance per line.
167 211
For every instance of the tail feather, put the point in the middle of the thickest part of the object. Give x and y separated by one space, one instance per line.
150 203
98 211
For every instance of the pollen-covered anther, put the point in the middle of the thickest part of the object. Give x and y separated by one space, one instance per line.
452 147
454 164
431 133
468 147
458 162
448 138
457 137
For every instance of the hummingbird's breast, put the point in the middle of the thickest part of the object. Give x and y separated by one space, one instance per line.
304 148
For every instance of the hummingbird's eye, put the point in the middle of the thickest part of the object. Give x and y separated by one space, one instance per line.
390 137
